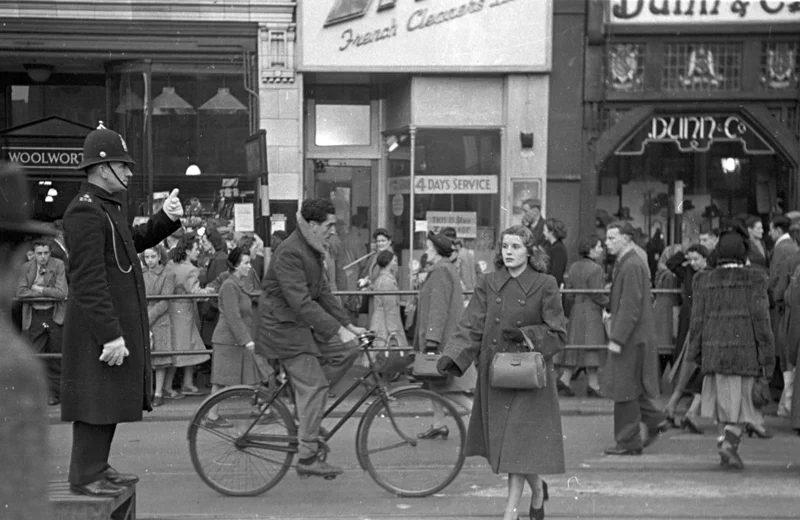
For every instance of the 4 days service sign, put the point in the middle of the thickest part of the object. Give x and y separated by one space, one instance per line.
419 35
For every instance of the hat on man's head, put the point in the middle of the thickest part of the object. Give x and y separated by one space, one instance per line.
15 204
216 240
103 146
442 244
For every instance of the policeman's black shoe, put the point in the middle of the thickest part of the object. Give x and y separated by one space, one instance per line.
120 479
618 450
98 488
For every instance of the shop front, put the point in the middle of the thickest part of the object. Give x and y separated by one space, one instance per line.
183 94
697 115
425 115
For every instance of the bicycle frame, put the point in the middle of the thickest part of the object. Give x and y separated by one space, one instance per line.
371 381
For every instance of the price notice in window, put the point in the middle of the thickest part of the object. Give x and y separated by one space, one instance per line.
464 222
455 184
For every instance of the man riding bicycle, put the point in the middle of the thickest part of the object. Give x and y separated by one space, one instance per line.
304 326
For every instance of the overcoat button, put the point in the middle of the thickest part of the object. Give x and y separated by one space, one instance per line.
519 323
497 320
522 302
498 300
494 342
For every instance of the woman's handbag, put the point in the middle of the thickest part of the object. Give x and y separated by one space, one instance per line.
761 393
425 365
263 370
518 370
394 359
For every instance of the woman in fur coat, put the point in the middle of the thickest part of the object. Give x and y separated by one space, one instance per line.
730 338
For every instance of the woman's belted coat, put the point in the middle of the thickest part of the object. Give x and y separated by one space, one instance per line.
517 431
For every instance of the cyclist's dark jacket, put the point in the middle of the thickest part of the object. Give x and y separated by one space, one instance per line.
297 308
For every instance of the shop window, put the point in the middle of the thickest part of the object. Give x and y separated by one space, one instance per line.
625 63
342 116
79 103
456 184
780 65
702 66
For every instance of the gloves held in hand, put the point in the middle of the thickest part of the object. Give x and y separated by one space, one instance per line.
446 366
513 335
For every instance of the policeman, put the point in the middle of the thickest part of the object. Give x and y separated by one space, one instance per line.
106 376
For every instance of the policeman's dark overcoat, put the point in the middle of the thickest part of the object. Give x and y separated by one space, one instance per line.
106 301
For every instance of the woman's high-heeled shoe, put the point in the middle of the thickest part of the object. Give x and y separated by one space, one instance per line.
761 434
538 514
671 420
433 433
688 424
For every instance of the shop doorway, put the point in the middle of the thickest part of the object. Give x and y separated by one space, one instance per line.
348 183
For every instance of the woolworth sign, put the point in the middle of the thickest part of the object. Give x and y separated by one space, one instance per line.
45 157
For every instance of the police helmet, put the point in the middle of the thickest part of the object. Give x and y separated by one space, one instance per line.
102 146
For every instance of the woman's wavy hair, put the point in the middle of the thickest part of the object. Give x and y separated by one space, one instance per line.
586 244
186 243
235 257
537 258
557 228
160 251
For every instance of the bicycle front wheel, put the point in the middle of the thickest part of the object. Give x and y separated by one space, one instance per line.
243 452
392 447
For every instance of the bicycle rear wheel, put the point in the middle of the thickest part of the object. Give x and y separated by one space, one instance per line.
393 454
246 453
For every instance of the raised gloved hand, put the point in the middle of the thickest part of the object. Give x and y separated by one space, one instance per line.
446 366
513 335
172 206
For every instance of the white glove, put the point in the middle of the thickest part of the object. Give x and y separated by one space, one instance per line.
114 352
173 207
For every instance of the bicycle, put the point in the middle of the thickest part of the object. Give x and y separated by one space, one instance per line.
255 452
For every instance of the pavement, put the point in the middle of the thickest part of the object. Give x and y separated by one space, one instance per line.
184 409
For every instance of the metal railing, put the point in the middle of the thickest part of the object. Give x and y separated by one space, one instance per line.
663 349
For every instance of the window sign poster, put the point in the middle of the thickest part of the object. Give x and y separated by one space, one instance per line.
244 218
464 222
521 190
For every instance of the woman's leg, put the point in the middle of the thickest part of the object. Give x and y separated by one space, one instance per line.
188 378
537 490
694 408
516 483
160 374
169 377
566 375
213 413
594 382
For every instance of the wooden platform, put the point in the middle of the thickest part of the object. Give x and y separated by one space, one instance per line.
67 505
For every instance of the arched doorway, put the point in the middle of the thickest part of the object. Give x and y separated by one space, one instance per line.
681 169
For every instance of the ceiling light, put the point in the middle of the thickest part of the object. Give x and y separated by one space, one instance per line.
48 199
52 192
130 101
170 103
38 72
223 102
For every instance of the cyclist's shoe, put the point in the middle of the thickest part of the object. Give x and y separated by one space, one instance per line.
318 468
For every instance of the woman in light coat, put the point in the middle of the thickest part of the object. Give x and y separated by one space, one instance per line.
184 316
385 321
441 303
159 281
517 431
586 318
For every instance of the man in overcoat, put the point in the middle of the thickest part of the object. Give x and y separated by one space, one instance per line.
106 375
44 276
779 277
305 326
630 374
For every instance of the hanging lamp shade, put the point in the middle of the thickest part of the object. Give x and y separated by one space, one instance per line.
223 102
130 101
170 103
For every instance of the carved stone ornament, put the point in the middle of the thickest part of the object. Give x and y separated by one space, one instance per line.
701 70
781 62
625 72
